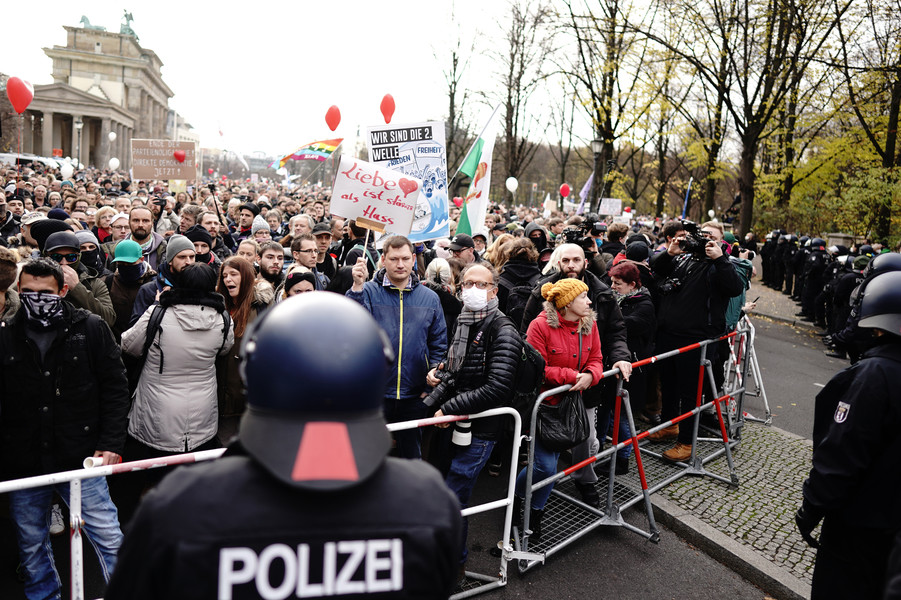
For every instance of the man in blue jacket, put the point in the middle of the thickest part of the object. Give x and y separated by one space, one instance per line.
411 316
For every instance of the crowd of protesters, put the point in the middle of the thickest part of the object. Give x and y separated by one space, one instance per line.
178 279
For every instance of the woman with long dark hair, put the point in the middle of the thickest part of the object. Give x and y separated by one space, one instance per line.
245 299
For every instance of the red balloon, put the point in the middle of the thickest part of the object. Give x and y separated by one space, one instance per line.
179 155
627 209
564 190
210 170
387 107
20 93
458 201
332 117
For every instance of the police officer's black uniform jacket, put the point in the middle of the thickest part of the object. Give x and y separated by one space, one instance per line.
230 527
856 474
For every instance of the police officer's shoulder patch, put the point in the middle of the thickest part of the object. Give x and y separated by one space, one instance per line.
841 412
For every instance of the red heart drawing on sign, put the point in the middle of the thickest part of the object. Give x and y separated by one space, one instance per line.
458 201
408 186
179 155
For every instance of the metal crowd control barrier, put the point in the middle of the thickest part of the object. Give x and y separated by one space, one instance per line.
477 583
567 518
741 365
73 478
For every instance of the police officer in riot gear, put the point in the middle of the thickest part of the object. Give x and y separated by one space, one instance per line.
306 502
855 483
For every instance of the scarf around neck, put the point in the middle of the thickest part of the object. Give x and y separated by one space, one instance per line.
467 319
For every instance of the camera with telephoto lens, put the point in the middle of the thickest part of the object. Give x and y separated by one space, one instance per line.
442 390
694 242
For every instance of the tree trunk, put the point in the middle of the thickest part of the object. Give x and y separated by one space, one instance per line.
746 180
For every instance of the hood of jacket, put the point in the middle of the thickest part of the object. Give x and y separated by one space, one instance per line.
540 243
520 270
554 317
190 308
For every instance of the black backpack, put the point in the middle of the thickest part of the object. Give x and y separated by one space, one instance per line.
517 297
529 375
154 325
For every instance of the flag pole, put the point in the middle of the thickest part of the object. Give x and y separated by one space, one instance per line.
474 142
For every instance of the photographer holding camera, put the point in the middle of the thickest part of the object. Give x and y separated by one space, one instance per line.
697 281
477 375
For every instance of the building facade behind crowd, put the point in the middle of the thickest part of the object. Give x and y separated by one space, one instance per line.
217 257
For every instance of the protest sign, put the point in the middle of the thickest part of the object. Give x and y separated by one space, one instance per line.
611 206
163 159
417 150
375 197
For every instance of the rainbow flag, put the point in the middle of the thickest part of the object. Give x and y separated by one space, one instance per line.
312 151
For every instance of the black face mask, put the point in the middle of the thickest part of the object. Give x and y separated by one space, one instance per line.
93 259
131 273
203 258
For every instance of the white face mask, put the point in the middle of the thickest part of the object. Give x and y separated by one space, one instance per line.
474 298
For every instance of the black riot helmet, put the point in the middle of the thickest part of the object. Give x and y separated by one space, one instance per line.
881 304
884 263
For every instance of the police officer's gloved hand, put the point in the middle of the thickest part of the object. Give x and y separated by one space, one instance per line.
807 518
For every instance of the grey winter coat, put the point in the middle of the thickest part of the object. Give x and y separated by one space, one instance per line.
175 405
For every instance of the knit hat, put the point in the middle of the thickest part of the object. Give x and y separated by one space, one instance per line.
259 223
85 236
42 229
177 243
562 293
58 214
198 233
637 251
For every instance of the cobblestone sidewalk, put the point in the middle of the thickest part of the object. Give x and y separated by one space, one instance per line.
772 464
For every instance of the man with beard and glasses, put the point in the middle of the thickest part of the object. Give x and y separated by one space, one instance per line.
86 290
272 259
63 396
612 331
152 244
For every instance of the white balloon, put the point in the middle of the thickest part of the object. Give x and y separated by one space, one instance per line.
112 136
711 213
66 170
512 184
114 163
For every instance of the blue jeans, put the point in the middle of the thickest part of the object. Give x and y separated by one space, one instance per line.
545 465
468 462
408 441
30 511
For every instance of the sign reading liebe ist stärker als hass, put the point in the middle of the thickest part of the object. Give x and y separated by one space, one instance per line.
375 197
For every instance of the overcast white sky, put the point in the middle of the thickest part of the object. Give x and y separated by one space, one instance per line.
266 72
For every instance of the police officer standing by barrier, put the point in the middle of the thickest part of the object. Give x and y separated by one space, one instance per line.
855 483
306 502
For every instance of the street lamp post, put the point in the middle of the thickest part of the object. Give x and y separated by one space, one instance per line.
597 148
78 126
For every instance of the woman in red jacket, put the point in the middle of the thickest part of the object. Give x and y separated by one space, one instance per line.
556 334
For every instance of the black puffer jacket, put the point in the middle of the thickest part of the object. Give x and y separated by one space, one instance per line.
64 408
641 322
485 379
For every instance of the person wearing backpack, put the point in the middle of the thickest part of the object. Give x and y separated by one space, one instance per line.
175 407
518 278
477 374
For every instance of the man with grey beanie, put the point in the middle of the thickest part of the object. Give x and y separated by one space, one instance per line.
179 254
